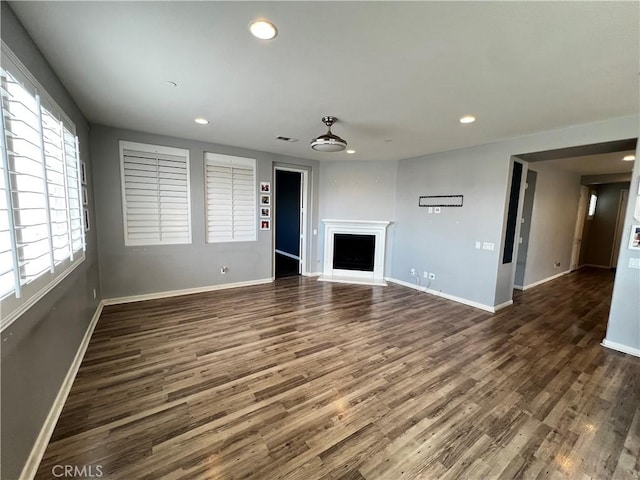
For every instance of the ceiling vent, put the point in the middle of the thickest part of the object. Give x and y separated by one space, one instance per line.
328 142
286 139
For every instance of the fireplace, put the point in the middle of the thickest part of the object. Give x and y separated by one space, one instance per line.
354 251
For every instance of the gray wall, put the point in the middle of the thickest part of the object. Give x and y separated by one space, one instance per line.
555 209
128 271
39 347
599 232
356 190
624 317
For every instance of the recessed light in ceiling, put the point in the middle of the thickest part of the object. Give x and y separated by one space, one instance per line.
263 29
629 158
467 119
351 152
201 121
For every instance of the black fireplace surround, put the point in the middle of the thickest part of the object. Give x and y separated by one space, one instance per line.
354 252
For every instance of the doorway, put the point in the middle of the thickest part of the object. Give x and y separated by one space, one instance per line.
290 198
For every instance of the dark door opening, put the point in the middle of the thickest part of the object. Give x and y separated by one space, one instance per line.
288 205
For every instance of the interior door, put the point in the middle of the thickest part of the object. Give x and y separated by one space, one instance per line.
288 218
577 234
617 238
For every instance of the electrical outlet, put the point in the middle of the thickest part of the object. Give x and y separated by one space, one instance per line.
478 245
556 264
224 270
425 274
429 209
432 276
436 210
413 271
488 246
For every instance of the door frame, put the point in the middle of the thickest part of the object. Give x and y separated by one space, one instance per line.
304 207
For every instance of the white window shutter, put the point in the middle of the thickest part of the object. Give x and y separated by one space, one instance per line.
231 198
156 194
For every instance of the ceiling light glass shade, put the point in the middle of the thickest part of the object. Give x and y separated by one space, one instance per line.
468 119
201 121
328 142
263 29
629 158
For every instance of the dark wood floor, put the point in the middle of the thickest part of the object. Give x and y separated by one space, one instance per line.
305 380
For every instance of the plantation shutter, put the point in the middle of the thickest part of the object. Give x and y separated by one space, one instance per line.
231 198
156 197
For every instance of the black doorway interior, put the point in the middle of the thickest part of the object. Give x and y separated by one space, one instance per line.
288 190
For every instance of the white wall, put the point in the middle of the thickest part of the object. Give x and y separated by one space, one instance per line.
555 207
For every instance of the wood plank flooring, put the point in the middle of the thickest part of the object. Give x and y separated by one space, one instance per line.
307 380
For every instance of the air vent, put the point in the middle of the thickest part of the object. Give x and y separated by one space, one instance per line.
287 139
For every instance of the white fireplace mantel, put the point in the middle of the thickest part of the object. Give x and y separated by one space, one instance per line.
377 228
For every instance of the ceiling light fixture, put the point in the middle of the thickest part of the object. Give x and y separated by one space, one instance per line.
263 29
467 119
351 152
629 158
201 121
328 142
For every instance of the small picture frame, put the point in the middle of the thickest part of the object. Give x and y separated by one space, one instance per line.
265 200
85 196
265 187
265 212
634 239
83 173
87 224
265 224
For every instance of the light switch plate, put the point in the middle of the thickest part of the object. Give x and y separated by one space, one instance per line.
634 263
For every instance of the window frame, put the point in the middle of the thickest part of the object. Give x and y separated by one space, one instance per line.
228 161
153 149
27 293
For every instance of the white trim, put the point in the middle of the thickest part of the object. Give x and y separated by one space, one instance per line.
447 296
353 280
621 348
544 280
186 291
312 274
37 452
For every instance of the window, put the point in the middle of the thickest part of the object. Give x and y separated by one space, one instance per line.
593 200
41 229
231 198
155 194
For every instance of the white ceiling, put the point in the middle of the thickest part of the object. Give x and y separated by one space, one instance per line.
600 164
403 72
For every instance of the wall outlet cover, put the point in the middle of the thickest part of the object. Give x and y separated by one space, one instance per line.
436 209
478 245
432 276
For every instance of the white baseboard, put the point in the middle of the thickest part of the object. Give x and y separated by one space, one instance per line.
39 447
503 305
453 298
312 274
620 347
540 282
186 291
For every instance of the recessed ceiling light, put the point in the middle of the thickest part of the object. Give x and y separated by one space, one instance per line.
468 119
201 121
350 152
263 29
629 158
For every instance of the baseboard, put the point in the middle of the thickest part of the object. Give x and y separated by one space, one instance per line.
544 280
312 274
591 265
503 305
621 348
186 291
518 287
453 298
40 445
